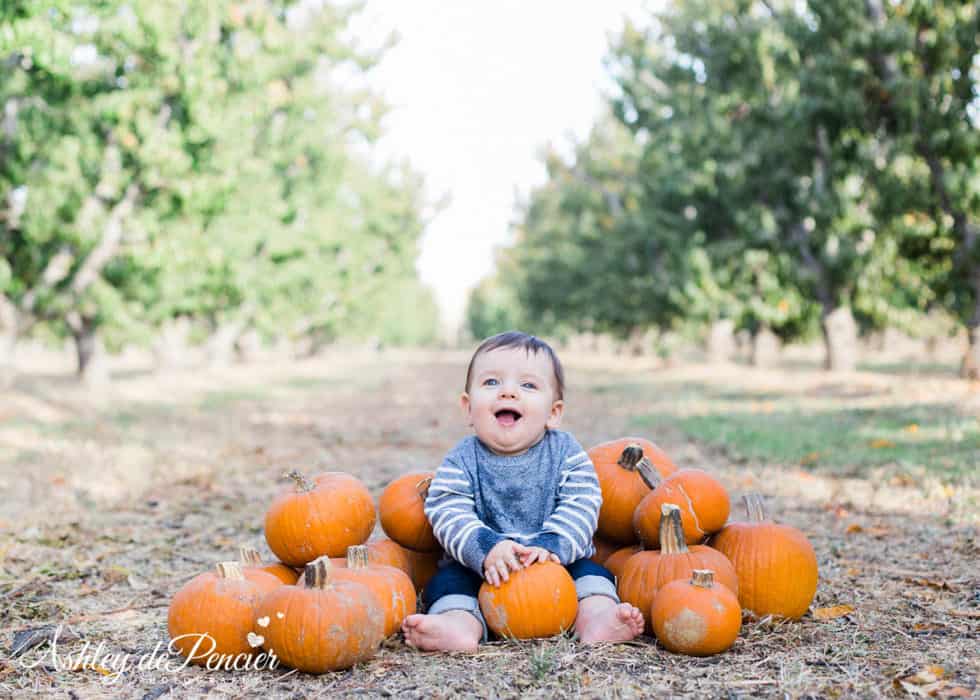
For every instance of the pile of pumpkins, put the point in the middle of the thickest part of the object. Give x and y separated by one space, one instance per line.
333 596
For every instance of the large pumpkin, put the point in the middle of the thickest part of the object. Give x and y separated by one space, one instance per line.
401 509
697 617
392 587
539 601
702 499
616 464
603 550
251 561
221 605
776 564
616 562
647 572
424 566
324 625
322 517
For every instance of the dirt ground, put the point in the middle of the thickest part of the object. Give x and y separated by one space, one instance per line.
112 501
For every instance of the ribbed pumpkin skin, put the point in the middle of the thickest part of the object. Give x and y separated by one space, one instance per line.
690 619
322 629
392 587
336 514
424 566
282 572
539 601
617 560
776 567
647 572
703 501
603 550
389 553
402 515
623 489
221 607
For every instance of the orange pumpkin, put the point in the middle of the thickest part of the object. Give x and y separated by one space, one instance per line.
617 560
424 566
702 499
539 601
251 561
603 550
401 509
776 564
324 625
220 604
647 572
697 617
324 517
623 488
392 587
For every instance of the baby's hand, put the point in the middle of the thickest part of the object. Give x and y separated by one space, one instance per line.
534 554
501 560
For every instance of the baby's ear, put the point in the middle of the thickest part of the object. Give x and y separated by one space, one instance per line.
557 408
464 405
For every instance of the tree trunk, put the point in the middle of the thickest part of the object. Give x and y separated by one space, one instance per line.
970 367
91 369
721 341
171 348
221 344
840 340
8 341
765 347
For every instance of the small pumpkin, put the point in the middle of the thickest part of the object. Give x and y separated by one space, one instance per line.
251 561
320 517
220 604
538 601
603 550
776 564
617 560
323 625
424 566
697 617
392 587
702 499
401 509
648 571
622 486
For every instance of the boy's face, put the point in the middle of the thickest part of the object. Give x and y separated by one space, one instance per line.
511 399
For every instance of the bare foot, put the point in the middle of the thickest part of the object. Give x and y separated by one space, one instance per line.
454 630
606 621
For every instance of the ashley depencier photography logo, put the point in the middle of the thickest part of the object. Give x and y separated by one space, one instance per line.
113 665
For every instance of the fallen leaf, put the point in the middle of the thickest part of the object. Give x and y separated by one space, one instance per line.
832 612
926 675
956 692
853 528
911 428
881 443
853 572
810 458
930 583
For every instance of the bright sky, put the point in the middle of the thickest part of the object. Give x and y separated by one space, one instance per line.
476 88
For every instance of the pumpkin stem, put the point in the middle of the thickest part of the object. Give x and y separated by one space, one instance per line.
302 483
423 487
230 570
249 556
316 574
755 507
651 477
703 578
630 456
358 556
671 530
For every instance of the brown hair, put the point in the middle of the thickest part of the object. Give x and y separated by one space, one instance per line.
517 339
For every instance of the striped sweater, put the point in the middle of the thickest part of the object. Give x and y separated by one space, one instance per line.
547 497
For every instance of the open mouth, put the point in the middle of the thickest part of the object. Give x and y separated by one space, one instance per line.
507 416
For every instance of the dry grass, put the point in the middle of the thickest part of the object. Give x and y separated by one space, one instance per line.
111 503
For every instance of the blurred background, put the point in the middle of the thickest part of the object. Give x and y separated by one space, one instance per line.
204 183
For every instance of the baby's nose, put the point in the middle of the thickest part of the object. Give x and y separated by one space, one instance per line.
507 390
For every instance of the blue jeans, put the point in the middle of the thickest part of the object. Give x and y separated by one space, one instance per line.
455 587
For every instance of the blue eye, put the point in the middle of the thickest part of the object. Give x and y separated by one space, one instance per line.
529 385
490 382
